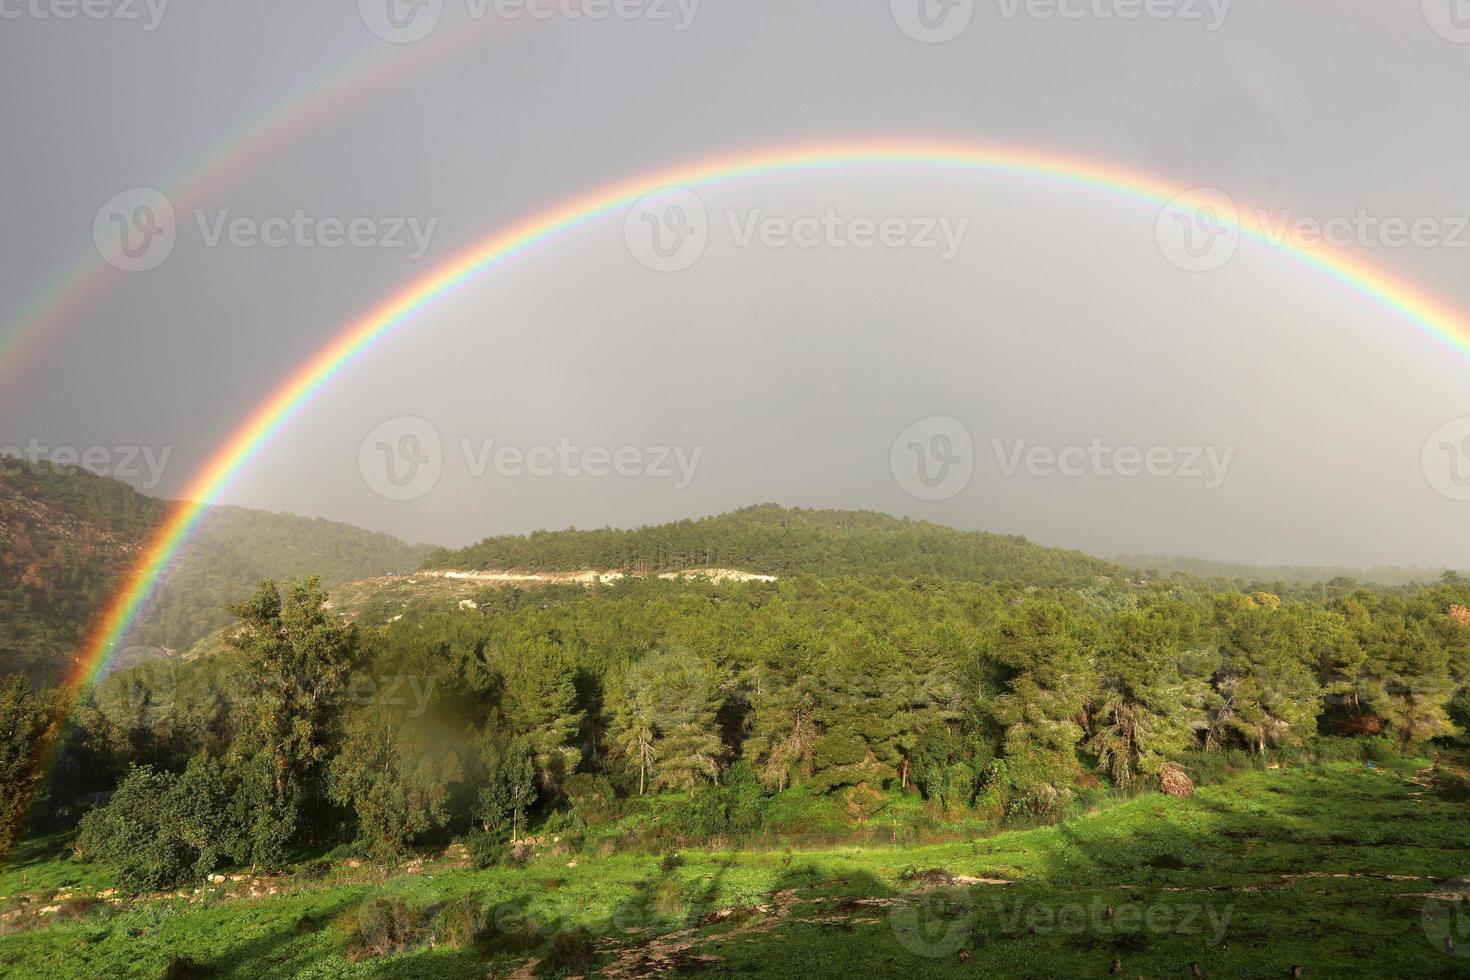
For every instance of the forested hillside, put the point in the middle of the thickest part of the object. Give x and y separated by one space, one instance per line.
780 541
67 536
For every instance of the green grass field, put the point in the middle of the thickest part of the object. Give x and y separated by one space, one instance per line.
1341 868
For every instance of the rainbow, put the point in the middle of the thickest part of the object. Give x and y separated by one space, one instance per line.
1375 285
83 279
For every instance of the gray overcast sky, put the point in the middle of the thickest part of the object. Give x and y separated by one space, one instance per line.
1060 319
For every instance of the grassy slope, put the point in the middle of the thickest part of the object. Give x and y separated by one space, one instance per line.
1218 859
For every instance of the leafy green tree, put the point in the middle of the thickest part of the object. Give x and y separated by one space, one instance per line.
24 728
665 710
1154 689
1048 653
508 789
781 744
1408 682
859 741
633 730
539 702
296 658
1267 693
396 774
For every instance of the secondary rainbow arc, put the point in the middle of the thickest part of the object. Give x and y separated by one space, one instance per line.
70 291
1383 288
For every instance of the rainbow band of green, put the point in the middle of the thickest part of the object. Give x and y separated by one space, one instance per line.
1391 293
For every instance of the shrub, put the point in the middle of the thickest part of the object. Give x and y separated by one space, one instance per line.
161 830
1212 767
386 925
593 798
184 968
487 850
572 951
744 797
863 801
1329 748
460 924
1382 748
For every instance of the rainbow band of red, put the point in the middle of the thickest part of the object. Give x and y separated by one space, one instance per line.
1382 288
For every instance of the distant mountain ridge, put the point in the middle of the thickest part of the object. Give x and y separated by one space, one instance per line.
1206 569
775 540
67 536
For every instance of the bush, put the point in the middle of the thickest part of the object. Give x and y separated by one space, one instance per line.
1212 767
386 925
744 797
593 798
863 801
161 830
460 924
572 951
1382 748
184 968
1333 748
488 850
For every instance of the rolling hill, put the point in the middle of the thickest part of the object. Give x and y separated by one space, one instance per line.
774 540
67 535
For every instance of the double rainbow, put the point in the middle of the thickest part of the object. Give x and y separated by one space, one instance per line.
1387 291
